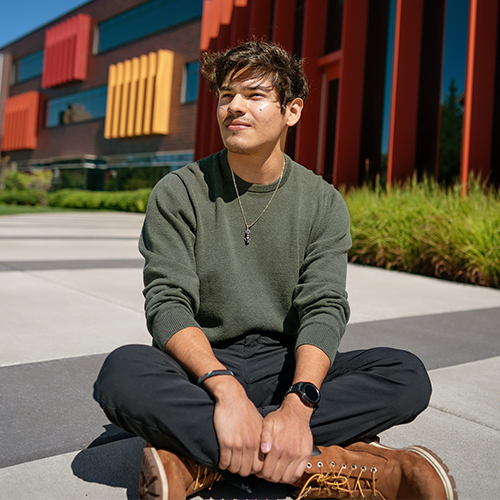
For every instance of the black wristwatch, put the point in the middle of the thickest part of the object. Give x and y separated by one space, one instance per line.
308 393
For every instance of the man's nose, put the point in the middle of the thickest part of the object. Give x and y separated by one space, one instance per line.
237 105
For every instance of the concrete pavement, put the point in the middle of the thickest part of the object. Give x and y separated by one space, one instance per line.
70 292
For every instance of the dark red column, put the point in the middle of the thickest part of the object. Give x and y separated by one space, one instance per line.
477 133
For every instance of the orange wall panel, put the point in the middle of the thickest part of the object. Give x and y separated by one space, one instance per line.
140 96
21 122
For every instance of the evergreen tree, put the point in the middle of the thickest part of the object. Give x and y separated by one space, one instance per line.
450 139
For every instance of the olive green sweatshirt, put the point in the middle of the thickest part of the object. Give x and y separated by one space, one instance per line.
199 272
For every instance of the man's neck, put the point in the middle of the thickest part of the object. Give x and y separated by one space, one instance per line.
257 170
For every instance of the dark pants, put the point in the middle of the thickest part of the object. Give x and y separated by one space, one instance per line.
144 391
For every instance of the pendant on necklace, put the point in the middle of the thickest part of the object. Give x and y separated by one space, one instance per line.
247 236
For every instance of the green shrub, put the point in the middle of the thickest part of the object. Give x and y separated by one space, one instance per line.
424 229
33 197
127 201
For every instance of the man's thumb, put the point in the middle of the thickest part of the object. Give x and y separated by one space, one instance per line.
266 441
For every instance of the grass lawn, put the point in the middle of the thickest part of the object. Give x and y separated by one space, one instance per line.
26 209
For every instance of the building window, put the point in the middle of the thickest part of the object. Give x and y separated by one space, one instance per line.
145 19
77 108
334 18
29 66
190 78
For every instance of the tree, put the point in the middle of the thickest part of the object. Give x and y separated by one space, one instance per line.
450 138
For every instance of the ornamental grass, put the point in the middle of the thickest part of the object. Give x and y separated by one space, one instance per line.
426 229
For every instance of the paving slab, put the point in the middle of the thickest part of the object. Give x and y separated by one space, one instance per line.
438 339
376 294
42 320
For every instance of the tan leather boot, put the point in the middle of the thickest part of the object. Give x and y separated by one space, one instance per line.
166 476
374 471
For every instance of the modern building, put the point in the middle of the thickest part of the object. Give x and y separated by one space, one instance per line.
111 84
345 44
115 84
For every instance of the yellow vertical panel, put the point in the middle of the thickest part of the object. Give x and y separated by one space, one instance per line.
132 100
117 100
127 74
141 88
163 92
109 101
148 102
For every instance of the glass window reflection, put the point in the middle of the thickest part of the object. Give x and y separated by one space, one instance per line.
145 19
191 74
29 66
77 108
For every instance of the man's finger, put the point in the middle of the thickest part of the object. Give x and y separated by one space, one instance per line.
266 438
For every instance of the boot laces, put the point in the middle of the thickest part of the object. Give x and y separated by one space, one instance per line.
205 478
330 482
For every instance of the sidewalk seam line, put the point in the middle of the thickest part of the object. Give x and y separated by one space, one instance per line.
463 418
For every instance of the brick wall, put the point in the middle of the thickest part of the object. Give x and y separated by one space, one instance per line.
88 137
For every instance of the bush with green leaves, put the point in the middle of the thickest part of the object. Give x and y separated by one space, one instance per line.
127 201
425 229
19 188
33 197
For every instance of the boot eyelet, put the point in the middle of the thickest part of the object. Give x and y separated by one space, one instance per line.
343 466
320 464
363 468
373 469
309 465
332 464
354 467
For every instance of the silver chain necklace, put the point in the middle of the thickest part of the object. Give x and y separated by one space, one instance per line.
248 226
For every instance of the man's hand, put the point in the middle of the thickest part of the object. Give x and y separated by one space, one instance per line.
286 441
238 427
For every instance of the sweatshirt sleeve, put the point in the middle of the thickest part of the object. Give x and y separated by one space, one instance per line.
320 296
167 244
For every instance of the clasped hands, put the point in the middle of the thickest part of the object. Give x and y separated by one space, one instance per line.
275 448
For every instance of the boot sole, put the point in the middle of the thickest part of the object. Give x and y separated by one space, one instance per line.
438 465
153 484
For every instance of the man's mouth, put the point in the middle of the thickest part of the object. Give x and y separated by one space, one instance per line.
237 125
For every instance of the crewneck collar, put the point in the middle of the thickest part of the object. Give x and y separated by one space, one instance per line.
247 186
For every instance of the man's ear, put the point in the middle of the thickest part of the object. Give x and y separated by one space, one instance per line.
294 111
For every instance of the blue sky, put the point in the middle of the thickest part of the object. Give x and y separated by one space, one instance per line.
19 17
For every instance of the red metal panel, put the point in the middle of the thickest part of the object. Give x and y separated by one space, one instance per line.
66 51
62 63
21 122
216 16
405 90
227 12
283 23
313 46
240 25
70 49
205 25
260 18
82 46
479 89
350 99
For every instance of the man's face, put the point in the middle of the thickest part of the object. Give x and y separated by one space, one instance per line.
250 116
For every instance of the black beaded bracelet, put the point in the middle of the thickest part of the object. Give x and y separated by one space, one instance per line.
213 373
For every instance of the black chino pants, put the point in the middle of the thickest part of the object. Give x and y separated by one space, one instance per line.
146 392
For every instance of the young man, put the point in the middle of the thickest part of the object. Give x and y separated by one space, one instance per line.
246 258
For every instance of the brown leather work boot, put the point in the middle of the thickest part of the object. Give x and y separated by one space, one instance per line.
166 476
364 470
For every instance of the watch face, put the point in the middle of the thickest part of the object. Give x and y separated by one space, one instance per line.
311 393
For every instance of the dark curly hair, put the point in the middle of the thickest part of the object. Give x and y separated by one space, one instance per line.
258 59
